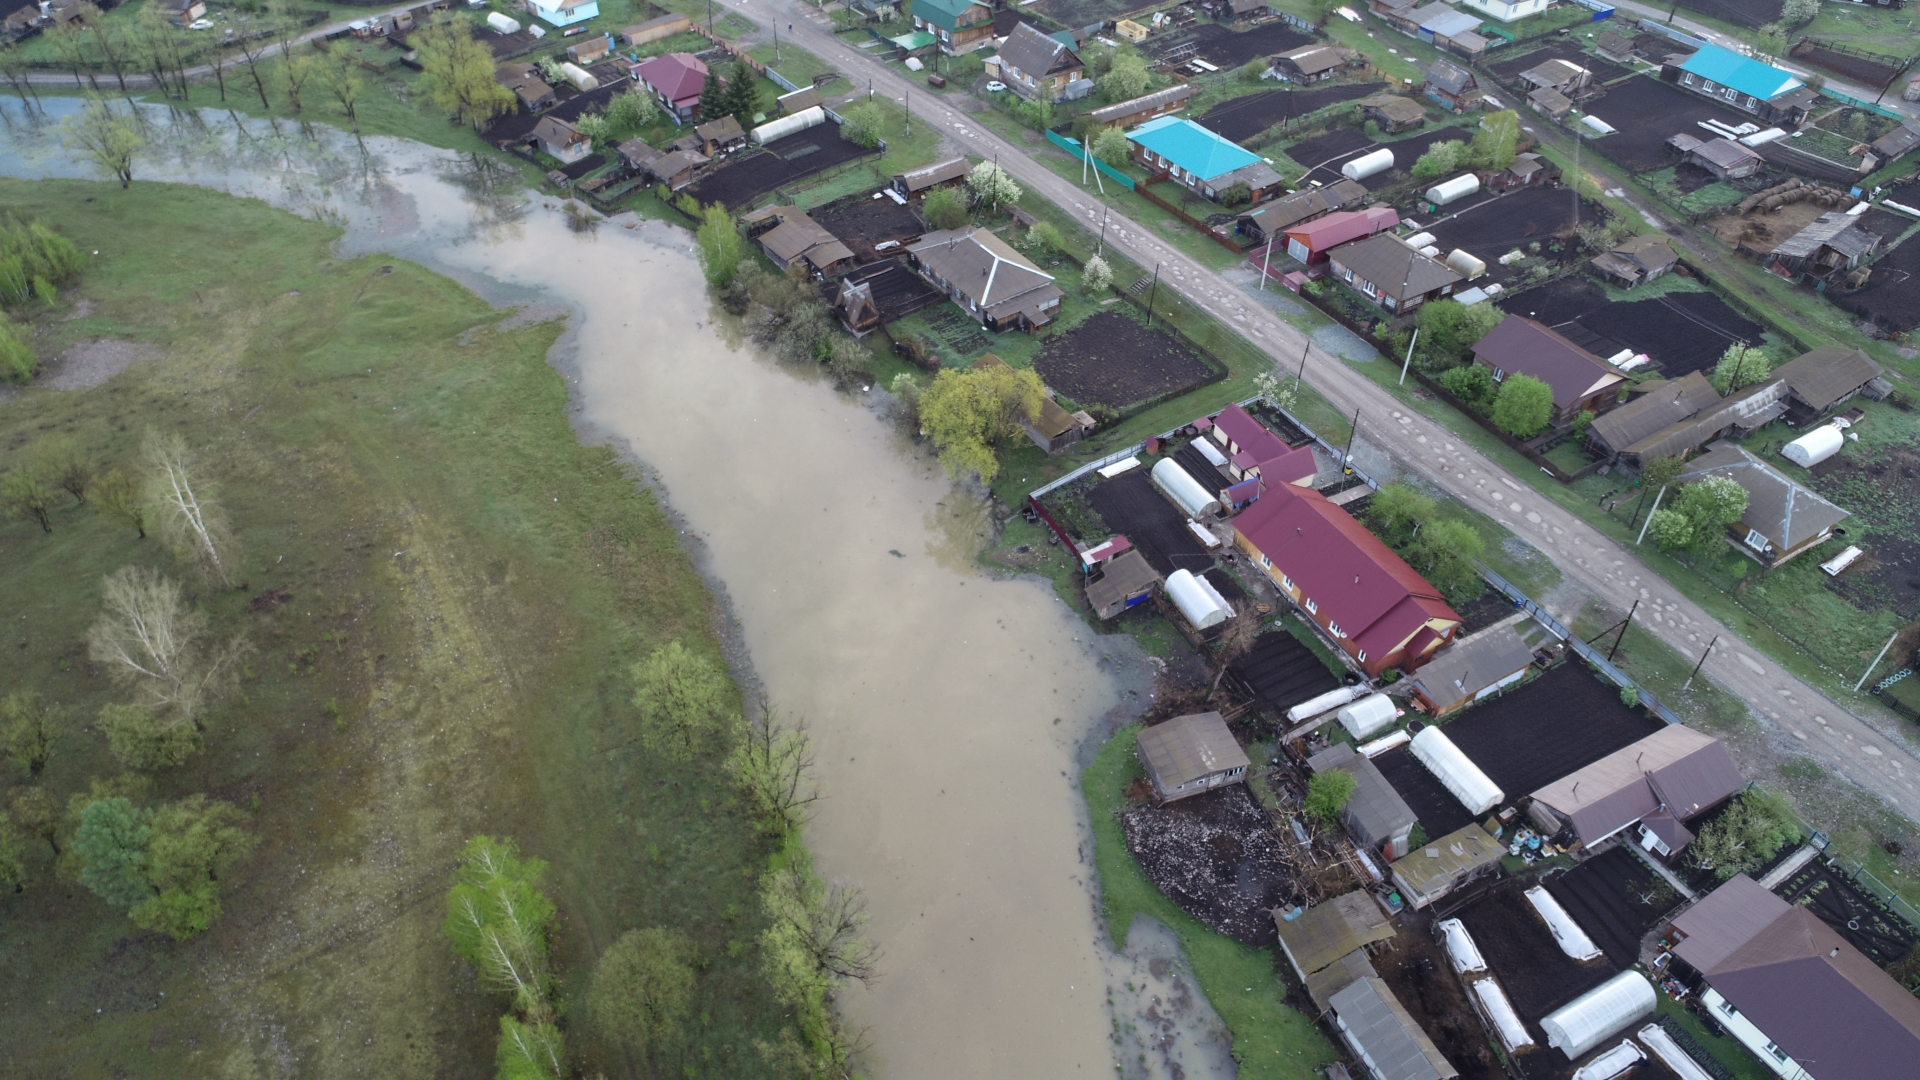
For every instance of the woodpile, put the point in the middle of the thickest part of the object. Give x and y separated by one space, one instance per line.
1793 191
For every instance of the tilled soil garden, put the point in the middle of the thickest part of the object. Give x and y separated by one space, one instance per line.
1518 947
1616 899
1113 360
1530 737
1854 914
1242 118
1416 969
1884 491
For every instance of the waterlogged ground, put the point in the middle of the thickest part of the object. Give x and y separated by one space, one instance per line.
949 708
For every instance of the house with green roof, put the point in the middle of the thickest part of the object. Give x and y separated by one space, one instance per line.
1773 95
1203 161
961 25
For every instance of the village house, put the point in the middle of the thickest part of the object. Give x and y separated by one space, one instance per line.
1819 380
564 12
1191 754
1832 244
1454 31
1549 103
527 85
1139 110
1274 217
1651 413
1614 46
1740 413
718 136
918 182
1390 272
1636 260
656 29
1773 95
1899 141
1053 429
676 79
1453 86
1782 519
1792 990
1472 668
1528 170
1118 577
1392 112
1565 76
1374 815
960 26
561 140
1204 162
1252 452
1311 243
1724 158
989 280
1580 381
1663 781
1397 14
800 240
1365 598
1311 63
1039 66
1508 10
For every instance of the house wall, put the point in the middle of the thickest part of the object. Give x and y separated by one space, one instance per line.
1507 10
1195 787
553 15
1374 666
1751 1037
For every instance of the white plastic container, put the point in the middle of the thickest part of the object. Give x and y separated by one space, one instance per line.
501 24
1457 188
1368 164
1368 715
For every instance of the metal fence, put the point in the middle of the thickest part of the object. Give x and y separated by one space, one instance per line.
1884 892
1666 31
1072 146
1581 649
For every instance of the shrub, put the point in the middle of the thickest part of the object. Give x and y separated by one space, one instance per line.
1097 275
1472 384
944 209
1630 696
1112 147
17 360
862 125
1441 158
1236 194
1327 792
1739 367
1044 238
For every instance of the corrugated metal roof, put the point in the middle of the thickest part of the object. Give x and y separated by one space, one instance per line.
1326 932
1337 976
1615 791
1375 812
1749 76
1832 229
1394 267
1521 346
1827 374
1785 513
1186 748
1395 1047
1192 147
1472 664
1036 54
1145 103
1654 411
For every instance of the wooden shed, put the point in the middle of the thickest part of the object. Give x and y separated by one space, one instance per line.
1191 754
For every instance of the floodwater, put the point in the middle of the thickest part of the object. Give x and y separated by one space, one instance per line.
951 710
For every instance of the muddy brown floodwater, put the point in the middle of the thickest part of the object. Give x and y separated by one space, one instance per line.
951 710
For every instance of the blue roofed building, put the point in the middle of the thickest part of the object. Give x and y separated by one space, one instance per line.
1206 163
1773 95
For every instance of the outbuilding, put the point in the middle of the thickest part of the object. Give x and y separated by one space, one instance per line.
1637 260
1820 380
1724 158
1119 583
1392 112
1310 63
1191 754
1320 936
917 182
561 140
1672 402
1835 242
1599 1014
1676 771
1472 668
1381 1033
1456 859
1375 814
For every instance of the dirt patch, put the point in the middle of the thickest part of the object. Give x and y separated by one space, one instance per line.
94 361
1523 955
1216 856
1680 331
1242 118
1852 68
1416 969
1646 113
1883 491
782 161
1763 230
1891 296
1432 804
1281 672
1854 914
1485 610
1228 48
1324 155
1530 737
861 221
1752 14
1112 360
1497 224
1616 899
1130 504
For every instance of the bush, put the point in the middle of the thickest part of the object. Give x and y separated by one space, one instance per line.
1236 194
1630 696
1448 331
1523 407
1096 276
17 360
944 209
1327 792
1739 367
1472 384
1112 147
862 125
1441 158
1043 238
1126 77
1254 70
1746 836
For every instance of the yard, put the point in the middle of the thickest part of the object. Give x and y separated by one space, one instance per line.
1524 956
1680 325
1223 46
1537 221
1131 505
1322 156
1509 65
1852 912
1891 297
1616 899
1881 485
1116 360
1645 113
1438 812
796 65
1532 735
1247 118
784 161
1418 972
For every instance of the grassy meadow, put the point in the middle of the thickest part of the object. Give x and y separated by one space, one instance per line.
443 590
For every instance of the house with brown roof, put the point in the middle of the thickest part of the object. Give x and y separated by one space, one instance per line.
1115 584
1724 158
1472 668
1661 782
1147 107
1650 413
561 140
527 85
1311 63
1392 112
1636 260
1369 602
799 239
1528 170
1190 754
1273 219
1254 453
1580 380
1793 991
1037 65
1391 272
1615 47
1782 519
718 136
988 279
1739 413
1453 86
1820 380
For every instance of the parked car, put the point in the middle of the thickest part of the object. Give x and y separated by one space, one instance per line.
996 86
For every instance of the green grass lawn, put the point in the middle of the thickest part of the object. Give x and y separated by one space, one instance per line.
798 65
1243 984
443 589
1724 1048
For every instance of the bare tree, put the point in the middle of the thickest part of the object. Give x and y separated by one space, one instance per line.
252 51
824 922
72 47
773 765
24 491
189 517
150 637
62 462
116 50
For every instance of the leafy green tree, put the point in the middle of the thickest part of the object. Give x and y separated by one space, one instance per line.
1236 194
1444 553
773 764
29 729
1253 70
1096 275
1440 159
142 741
642 990
1327 792
862 124
1126 77
1713 502
499 920
1396 510
1659 472
1112 147
1670 529
194 845
1796 13
814 941
529 1051
460 74
1044 239
633 110
122 498
1746 836
60 459
966 413
112 846
109 140
1740 366
945 208
1495 142
1523 407
1581 422
721 247
13 856
686 704
1472 384
1448 331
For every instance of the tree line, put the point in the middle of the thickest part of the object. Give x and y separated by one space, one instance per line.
164 864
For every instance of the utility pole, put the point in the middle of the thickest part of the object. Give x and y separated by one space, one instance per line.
1409 360
1151 293
1876 662
1703 660
907 104
1650 513
1266 261
1304 350
1624 623
1102 249
1346 456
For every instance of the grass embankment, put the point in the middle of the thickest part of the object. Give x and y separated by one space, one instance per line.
461 587
1270 1039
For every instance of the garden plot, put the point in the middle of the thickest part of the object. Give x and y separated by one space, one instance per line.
1891 296
1432 804
1418 972
1078 13
1517 220
1857 69
1558 723
1851 911
1604 70
1883 491
1113 360
1131 505
1681 330
1646 113
861 221
1242 118
1524 956
782 161
1751 14
1616 899
1224 47
1328 152
1216 856
1481 612
1279 671
958 331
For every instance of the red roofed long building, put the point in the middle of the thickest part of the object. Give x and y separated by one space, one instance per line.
1365 597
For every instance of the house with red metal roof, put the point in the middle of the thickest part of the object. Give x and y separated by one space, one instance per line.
1380 611
1253 451
676 79
1310 242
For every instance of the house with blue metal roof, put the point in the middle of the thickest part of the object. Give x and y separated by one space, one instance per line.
1203 161
1767 92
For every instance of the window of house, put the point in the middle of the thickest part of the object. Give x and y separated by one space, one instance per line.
1778 1054
1312 608
1499 374
1362 656
1756 541
1264 561
1285 581
1334 629
1369 287
1727 1007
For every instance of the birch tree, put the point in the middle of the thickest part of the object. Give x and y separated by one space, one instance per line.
190 519
149 637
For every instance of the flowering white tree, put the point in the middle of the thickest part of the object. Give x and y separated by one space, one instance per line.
992 185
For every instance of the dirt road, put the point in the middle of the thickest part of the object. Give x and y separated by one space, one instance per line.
1873 754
